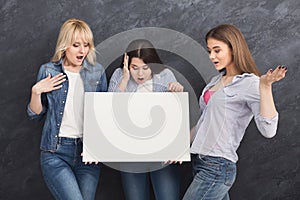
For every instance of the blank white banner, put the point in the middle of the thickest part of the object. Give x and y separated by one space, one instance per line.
136 127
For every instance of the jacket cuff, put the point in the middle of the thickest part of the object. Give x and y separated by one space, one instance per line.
33 115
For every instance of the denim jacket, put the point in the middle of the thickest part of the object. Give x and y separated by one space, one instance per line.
94 80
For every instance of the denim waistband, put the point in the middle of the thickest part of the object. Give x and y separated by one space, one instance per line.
66 140
216 158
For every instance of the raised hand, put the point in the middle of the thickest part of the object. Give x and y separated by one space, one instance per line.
126 74
48 84
175 87
267 105
273 75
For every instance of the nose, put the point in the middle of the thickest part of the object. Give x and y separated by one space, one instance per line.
212 55
82 49
140 72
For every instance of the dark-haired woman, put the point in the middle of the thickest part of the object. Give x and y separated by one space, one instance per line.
143 71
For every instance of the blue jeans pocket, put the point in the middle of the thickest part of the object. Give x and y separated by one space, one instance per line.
206 168
230 174
210 162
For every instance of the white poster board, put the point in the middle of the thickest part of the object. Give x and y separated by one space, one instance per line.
136 127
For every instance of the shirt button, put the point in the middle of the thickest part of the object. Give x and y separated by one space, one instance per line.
63 101
65 91
61 113
56 136
57 124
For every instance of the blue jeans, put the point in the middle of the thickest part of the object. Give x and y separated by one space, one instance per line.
66 176
165 182
213 178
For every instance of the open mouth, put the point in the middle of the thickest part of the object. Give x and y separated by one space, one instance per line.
140 79
79 57
215 63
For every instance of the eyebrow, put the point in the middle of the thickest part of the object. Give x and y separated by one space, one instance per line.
79 43
215 47
133 65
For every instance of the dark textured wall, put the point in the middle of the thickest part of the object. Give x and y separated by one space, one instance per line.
267 169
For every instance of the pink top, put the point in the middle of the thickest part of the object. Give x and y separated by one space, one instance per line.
207 95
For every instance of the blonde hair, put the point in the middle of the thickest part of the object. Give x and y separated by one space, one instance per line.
69 31
235 40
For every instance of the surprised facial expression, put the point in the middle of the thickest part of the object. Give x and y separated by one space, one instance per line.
76 53
140 71
219 53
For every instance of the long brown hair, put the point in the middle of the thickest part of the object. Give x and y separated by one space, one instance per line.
69 31
234 38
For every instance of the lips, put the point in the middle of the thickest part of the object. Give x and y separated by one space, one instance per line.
140 80
79 59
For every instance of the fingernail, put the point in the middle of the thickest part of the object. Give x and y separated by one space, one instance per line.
280 67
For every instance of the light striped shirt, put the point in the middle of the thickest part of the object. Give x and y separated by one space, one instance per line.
224 119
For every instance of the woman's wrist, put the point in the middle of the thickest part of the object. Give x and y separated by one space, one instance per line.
265 86
35 91
125 79
123 84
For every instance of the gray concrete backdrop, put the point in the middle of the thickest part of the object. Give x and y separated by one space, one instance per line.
267 169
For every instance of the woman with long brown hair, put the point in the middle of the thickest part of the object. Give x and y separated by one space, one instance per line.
227 104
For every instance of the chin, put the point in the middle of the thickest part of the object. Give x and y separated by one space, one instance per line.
222 69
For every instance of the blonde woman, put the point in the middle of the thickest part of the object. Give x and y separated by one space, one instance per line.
58 94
